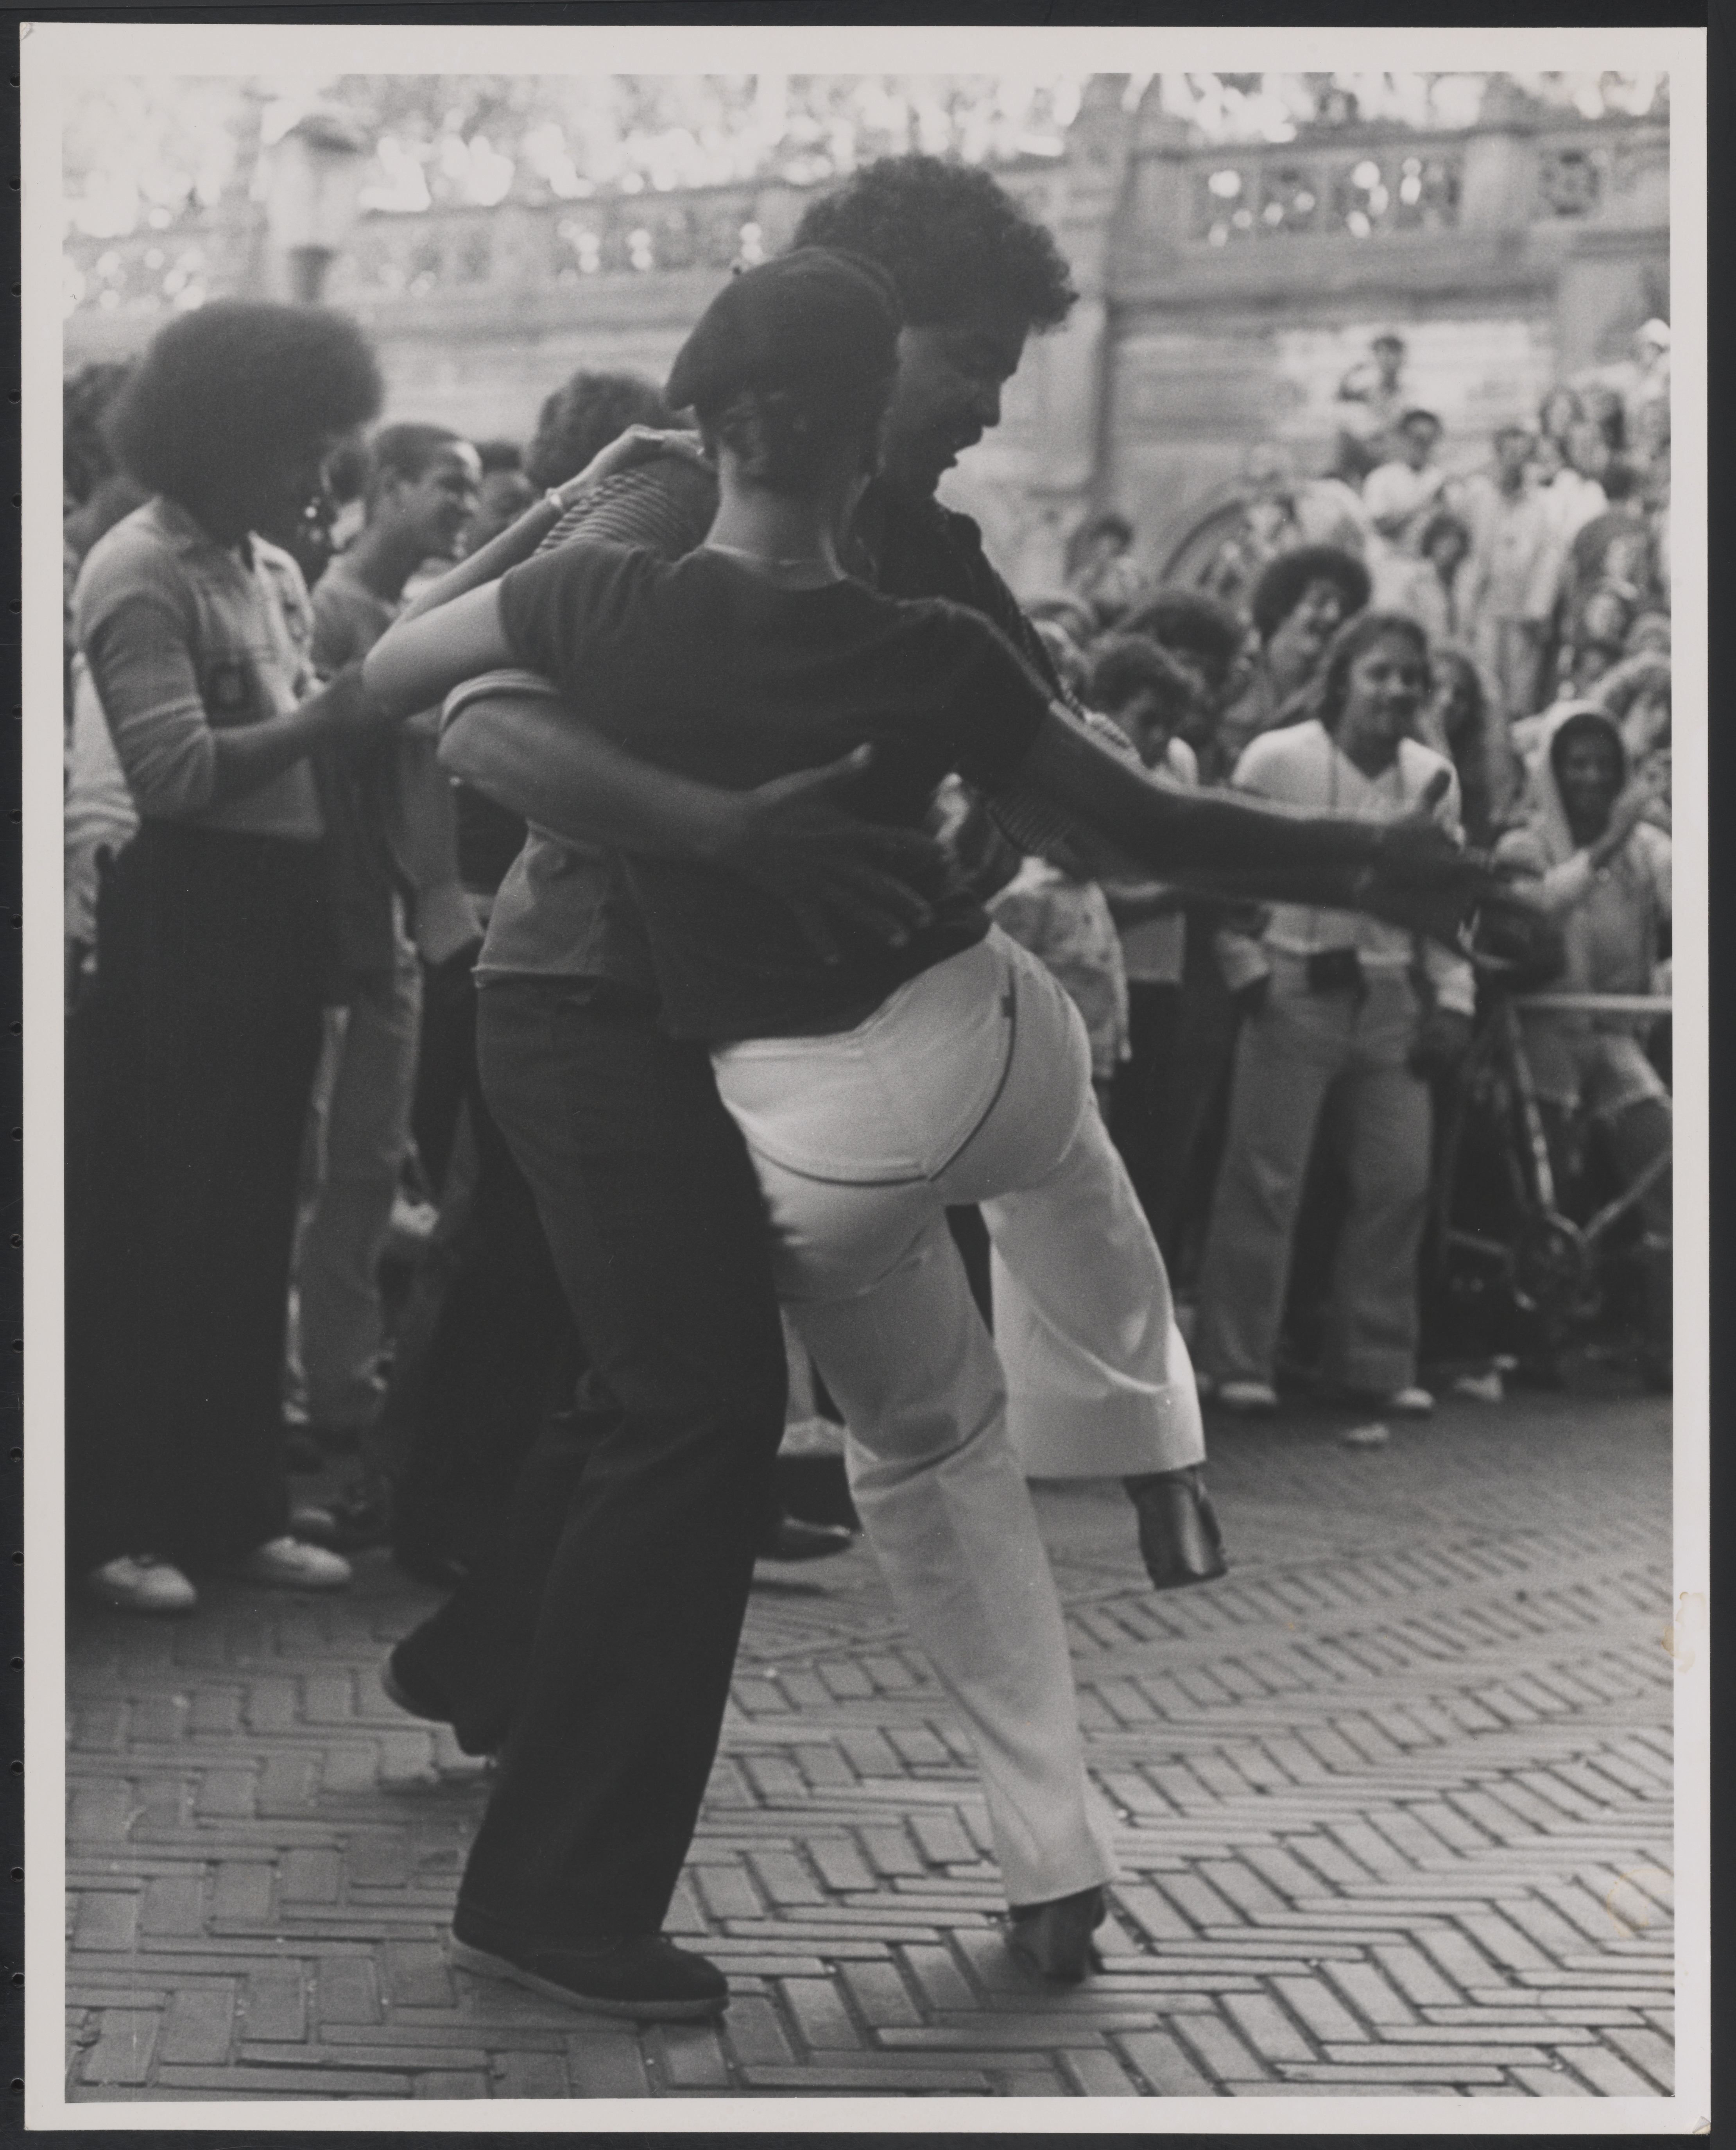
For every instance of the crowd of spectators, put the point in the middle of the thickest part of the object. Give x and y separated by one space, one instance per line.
1520 603
1494 643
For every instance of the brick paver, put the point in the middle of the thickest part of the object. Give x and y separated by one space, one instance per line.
1392 1805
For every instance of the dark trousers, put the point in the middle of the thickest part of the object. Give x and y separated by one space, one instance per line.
485 1345
657 1231
1171 1106
1141 1110
188 1070
446 1062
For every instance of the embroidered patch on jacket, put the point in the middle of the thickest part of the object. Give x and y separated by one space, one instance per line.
228 692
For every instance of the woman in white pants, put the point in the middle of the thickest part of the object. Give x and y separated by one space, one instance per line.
874 1088
971 1083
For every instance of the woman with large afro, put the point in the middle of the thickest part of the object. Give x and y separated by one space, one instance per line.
190 1065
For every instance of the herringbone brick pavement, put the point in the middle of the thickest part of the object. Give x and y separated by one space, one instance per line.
1392 1801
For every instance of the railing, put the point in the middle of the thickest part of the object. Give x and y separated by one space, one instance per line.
146 273
1594 172
1348 186
563 242
1265 194
1358 185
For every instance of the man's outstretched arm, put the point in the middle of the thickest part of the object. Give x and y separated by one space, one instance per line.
1410 871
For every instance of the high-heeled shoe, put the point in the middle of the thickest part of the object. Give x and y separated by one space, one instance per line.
1054 1938
1179 1537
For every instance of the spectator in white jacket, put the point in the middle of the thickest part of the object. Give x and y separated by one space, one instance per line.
1354 1010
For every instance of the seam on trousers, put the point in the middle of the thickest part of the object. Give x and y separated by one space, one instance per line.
923 1179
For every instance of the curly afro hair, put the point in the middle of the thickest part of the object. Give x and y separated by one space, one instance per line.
229 383
585 414
1176 617
1124 665
950 236
1285 582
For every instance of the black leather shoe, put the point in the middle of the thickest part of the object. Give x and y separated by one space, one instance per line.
795 1540
413 1696
644 1977
1054 1938
1180 1538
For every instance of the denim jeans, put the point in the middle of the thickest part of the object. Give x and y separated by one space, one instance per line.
1300 1048
658 1233
485 1345
359 1136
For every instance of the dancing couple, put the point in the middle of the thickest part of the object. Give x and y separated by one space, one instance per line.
709 1106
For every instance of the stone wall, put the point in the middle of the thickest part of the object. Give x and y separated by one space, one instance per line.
1224 292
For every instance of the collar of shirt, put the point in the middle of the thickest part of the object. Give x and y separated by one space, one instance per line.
186 533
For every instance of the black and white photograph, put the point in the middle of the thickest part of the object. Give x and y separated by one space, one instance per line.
852 1283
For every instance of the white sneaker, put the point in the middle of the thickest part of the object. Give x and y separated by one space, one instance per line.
140 1583
292 1565
1409 1403
1250 1399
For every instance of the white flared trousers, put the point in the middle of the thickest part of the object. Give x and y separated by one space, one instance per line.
972 1084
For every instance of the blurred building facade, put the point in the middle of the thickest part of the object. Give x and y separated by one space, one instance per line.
1225 293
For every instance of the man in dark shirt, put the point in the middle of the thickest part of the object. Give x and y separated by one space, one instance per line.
654 1216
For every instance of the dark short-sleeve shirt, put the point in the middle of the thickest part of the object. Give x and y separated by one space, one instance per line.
567 910
702 666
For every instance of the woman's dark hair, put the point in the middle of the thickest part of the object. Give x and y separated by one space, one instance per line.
1107 522
779 438
1125 664
951 237
499 456
221 388
1466 743
1181 618
584 415
1466 670
793 360
85 458
1284 583
1327 699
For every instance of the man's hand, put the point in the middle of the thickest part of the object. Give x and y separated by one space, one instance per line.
1422 879
792 839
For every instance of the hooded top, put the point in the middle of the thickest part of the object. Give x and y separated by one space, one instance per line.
1611 916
